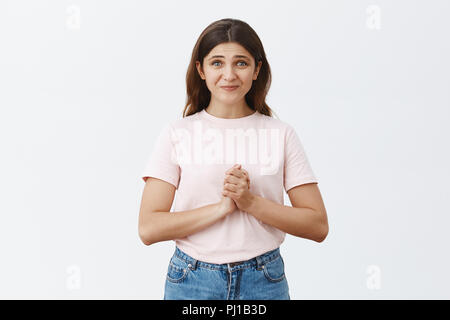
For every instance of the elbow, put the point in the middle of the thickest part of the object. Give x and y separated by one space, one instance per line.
322 232
146 242
145 237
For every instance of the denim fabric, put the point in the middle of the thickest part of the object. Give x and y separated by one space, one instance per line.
260 278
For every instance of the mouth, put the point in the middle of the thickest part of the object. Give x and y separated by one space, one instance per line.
229 88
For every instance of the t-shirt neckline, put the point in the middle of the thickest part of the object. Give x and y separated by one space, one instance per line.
209 116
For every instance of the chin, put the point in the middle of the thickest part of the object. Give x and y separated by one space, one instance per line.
230 101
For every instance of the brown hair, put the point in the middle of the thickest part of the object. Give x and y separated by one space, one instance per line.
221 31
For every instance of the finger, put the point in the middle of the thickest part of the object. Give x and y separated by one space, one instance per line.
230 195
247 178
237 173
230 187
233 167
239 187
227 193
246 174
237 182
231 179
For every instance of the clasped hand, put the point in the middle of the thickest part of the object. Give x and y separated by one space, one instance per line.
236 186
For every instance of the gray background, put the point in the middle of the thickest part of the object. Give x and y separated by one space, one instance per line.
86 86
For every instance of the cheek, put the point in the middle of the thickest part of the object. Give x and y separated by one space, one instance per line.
247 80
211 80
211 77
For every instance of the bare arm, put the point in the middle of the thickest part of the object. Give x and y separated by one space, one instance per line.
157 223
307 218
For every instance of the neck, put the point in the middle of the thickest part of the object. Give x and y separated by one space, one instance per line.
229 111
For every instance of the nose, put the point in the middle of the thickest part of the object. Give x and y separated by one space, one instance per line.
228 73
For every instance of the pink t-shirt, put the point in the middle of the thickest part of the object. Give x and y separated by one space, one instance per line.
193 154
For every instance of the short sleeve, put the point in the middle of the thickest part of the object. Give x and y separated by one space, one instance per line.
162 163
297 169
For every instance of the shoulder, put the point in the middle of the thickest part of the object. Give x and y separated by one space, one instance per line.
275 123
170 128
185 122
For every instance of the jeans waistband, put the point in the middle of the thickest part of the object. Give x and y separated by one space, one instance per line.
257 262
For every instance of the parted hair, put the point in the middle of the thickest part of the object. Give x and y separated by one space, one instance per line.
222 31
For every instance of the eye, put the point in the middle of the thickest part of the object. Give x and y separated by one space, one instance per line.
217 61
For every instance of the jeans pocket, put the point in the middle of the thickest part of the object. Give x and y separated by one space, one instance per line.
274 270
177 271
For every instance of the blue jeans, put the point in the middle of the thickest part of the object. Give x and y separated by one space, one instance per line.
260 278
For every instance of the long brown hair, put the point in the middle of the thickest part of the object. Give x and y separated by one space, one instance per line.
221 31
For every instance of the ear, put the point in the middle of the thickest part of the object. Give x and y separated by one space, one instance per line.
199 69
258 67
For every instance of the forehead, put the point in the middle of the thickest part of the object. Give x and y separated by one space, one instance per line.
229 50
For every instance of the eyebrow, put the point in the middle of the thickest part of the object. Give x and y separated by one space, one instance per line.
236 56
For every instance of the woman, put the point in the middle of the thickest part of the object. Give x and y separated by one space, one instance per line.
229 219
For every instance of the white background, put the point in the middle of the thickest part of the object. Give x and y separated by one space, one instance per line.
86 86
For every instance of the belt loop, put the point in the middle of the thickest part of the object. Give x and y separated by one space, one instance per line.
192 263
259 263
195 264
